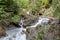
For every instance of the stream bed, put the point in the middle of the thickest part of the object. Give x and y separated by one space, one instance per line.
18 34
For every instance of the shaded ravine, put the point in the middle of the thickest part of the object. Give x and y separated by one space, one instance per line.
18 34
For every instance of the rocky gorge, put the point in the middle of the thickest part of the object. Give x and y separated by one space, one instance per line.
29 19
43 28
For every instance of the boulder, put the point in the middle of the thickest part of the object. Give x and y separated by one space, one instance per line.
28 19
2 32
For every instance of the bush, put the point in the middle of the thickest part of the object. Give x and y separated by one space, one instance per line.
57 8
8 10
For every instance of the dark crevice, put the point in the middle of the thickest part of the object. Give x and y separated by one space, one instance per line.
59 21
50 1
40 14
15 24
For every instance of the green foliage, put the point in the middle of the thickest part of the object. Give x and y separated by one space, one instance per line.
24 3
45 2
8 11
36 5
56 8
57 11
16 18
33 5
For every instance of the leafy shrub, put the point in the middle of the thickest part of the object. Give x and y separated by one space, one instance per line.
56 8
8 10
36 5
24 3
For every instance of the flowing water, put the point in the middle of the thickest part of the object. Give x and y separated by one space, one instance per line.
18 34
40 21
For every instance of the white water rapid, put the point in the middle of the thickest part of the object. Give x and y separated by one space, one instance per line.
18 34
40 21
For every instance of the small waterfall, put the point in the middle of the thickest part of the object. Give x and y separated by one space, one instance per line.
18 34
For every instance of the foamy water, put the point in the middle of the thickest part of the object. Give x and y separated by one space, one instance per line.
15 34
40 21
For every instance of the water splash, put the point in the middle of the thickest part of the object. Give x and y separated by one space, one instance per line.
15 34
